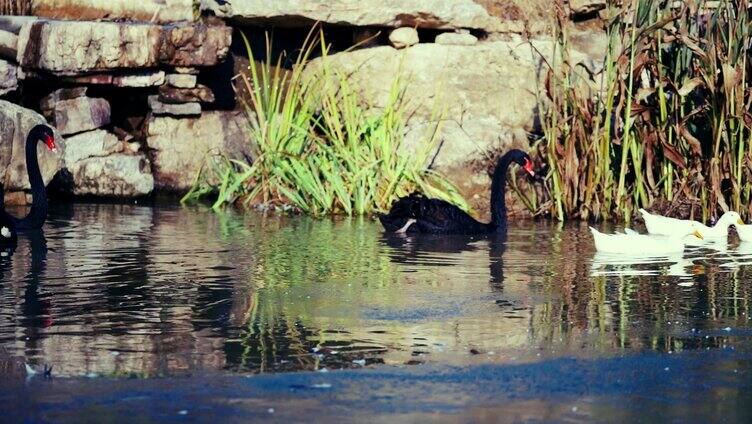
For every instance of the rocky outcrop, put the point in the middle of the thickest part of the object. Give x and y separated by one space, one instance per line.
180 146
443 14
487 93
80 114
15 124
583 8
71 48
8 77
159 11
97 143
118 175
403 37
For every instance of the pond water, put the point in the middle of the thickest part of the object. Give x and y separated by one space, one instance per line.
119 290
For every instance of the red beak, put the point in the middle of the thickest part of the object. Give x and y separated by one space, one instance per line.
50 142
529 167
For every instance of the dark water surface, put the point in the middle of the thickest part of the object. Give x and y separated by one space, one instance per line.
125 290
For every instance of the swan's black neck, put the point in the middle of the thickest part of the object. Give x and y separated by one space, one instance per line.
498 188
38 213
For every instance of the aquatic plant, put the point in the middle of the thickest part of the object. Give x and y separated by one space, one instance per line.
316 145
666 122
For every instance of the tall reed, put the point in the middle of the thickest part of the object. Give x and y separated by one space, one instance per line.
667 121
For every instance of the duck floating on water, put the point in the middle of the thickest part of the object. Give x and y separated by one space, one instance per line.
665 226
633 243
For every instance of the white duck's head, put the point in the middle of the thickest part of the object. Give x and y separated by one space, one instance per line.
730 218
694 230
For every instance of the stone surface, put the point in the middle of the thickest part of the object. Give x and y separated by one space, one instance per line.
72 48
446 14
186 70
80 114
15 124
8 45
195 45
183 109
586 7
201 94
487 92
68 48
8 77
157 11
456 39
181 80
141 79
403 37
89 144
48 102
180 146
117 175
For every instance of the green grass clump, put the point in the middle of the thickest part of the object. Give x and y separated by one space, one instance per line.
318 147
667 121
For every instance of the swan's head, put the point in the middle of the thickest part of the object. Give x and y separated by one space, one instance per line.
523 159
44 134
730 218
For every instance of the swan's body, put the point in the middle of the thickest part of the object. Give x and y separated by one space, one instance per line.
632 243
662 225
419 214
38 213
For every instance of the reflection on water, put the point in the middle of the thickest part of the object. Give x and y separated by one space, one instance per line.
120 290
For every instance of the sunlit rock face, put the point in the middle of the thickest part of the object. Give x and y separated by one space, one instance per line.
15 124
156 11
444 14
180 146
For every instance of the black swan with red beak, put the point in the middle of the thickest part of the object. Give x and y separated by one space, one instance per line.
9 224
418 214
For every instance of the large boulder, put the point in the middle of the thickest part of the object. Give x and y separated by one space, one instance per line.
444 14
158 11
117 175
80 114
487 93
180 146
71 48
8 77
15 124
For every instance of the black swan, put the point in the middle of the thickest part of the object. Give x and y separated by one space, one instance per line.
418 214
9 224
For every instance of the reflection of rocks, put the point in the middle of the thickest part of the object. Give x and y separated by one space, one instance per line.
180 146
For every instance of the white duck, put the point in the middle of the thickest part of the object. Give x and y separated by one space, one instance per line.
633 243
665 226
745 233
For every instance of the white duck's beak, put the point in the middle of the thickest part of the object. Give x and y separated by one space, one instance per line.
698 235
739 221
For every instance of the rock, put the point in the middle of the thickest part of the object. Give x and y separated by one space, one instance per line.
186 70
72 48
89 144
158 11
195 45
68 48
487 92
15 124
141 79
180 146
119 175
8 77
201 94
456 39
183 109
444 14
181 80
93 79
403 37
584 8
8 45
49 101
17 198
80 114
